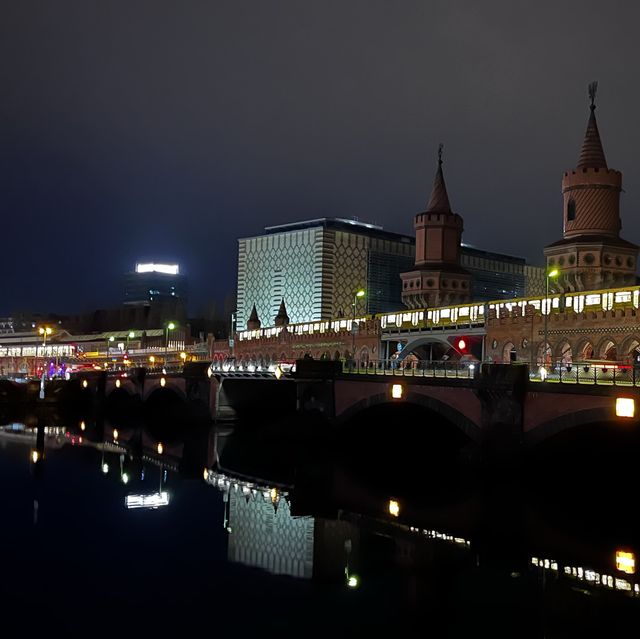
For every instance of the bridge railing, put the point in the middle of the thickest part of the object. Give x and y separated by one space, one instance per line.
588 373
388 367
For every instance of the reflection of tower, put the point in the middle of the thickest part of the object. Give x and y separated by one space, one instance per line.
437 278
591 255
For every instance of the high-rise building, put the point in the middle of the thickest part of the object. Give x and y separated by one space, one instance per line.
151 282
317 267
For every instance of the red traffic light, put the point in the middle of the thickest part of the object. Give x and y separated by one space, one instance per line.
461 344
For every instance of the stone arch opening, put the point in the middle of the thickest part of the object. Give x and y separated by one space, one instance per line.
545 354
630 349
585 350
607 349
564 353
509 353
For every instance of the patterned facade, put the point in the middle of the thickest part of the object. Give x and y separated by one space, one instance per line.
316 267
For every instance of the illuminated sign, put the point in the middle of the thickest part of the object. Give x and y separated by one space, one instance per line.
167 269
155 500
625 407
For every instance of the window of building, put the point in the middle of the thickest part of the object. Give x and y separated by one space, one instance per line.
571 210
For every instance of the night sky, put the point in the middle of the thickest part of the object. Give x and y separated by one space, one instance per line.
166 130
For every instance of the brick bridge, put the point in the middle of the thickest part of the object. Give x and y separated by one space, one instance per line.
480 402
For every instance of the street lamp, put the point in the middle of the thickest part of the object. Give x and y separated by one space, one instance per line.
554 273
356 295
170 326
44 331
130 335
106 362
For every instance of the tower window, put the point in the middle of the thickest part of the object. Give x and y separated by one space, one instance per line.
571 210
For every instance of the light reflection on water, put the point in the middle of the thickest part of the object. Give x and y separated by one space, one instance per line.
272 527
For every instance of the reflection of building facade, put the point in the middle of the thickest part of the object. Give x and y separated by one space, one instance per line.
268 537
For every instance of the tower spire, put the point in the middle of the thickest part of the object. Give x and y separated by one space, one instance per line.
439 200
592 154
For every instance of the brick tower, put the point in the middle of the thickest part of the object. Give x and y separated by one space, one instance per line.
591 255
437 279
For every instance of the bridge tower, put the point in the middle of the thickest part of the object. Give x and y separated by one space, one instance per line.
437 278
253 323
591 255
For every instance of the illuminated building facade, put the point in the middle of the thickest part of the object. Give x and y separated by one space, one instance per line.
151 282
316 267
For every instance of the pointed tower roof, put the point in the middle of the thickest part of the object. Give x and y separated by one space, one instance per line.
253 323
439 200
282 319
592 154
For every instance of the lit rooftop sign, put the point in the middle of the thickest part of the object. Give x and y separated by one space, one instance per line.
155 500
168 269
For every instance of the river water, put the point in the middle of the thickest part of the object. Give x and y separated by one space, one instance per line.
184 529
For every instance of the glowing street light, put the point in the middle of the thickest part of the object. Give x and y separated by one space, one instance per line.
170 327
130 335
356 295
44 331
553 273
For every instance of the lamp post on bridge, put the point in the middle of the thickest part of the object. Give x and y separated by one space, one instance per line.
547 303
356 295
44 331
170 326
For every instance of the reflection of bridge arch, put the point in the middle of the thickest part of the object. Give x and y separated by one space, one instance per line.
431 404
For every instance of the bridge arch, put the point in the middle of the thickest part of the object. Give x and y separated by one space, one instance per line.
568 422
584 349
630 347
414 344
431 404
563 351
607 348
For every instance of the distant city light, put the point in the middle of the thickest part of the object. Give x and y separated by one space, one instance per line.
394 507
353 581
167 269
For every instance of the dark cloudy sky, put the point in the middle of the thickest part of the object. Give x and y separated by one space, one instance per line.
166 130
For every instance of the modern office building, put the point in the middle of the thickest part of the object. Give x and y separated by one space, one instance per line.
151 282
317 266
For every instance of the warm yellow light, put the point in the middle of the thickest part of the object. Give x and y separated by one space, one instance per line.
625 407
394 507
171 326
274 495
35 456
183 356
205 474
396 391
152 359
117 383
115 433
82 425
85 383
553 273
131 334
112 338
278 372
360 293
625 561
160 448
163 382
353 581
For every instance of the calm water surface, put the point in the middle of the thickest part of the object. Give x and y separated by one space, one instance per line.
227 533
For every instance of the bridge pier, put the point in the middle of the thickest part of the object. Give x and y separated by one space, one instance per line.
501 389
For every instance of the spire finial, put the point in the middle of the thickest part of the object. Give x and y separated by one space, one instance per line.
440 147
593 89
